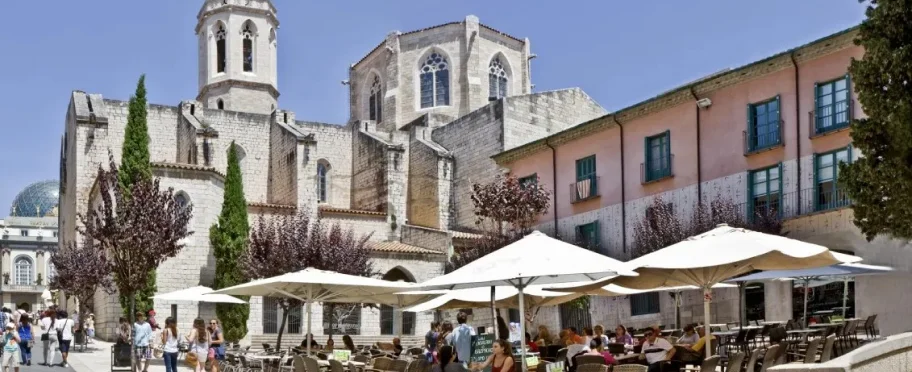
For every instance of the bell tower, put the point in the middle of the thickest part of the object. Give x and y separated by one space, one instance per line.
237 55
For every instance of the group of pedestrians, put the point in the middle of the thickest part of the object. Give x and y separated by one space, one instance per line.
205 344
56 334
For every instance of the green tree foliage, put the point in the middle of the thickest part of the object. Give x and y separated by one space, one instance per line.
134 168
229 240
880 183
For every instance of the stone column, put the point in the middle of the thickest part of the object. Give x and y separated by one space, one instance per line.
6 264
474 69
41 263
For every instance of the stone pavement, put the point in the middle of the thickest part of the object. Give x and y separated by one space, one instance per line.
98 359
37 357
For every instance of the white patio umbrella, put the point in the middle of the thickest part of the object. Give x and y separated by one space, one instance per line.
844 271
198 294
312 285
508 297
534 259
718 255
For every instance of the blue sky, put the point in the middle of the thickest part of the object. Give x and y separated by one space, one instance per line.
619 52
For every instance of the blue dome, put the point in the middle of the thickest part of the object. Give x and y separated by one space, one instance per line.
39 199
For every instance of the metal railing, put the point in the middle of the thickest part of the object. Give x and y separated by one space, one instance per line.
754 142
792 204
582 190
819 125
656 173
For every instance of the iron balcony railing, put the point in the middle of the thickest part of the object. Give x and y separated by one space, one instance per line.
790 205
821 123
657 172
757 142
584 189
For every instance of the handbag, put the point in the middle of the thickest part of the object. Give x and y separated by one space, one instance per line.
191 359
44 337
211 353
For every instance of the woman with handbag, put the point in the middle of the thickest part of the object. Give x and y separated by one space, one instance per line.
25 334
49 336
199 339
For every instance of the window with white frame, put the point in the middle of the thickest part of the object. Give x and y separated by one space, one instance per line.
435 81
23 271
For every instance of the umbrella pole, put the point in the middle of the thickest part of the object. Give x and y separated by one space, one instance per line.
707 330
677 300
741 286
522 327
806 283
307 309
845 295
494 315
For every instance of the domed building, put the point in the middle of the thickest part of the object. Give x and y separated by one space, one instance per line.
39 199
28 237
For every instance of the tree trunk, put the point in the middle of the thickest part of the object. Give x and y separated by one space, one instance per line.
132 339
282 328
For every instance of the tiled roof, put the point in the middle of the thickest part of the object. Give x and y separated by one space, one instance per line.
271 206
397 247
190 167
328 209
466 235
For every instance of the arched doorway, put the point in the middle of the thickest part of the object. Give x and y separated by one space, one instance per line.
391 317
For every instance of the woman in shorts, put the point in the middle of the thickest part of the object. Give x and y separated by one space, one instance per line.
11 349
199 339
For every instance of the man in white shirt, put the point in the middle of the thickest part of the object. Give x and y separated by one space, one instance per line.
656 350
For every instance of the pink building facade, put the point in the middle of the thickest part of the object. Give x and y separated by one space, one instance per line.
766 137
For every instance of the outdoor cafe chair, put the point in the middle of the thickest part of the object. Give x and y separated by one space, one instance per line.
782 352
580 360
591 367
769 359
810 353
827 352
298 363
734 362
870 326
752 361
630 368
399 365
336 366
542 366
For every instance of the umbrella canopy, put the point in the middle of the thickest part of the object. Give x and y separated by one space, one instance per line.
838 270
613 290
312 285
505 296
198 294
806 276
534 259
721 254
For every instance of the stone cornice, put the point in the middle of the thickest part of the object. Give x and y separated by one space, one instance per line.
815 49
239 83
188 167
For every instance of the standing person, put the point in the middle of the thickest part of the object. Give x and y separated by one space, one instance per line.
11 348
49 336
124 333
461 338
656 350
502 355
217 344
445 329
152 322
65 334
430 338
448 361
90 327
25 335
169 344
199 339
142 335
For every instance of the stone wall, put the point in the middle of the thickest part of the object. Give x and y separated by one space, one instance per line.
534 116
423 203
283 165
437 240
893 354
369 171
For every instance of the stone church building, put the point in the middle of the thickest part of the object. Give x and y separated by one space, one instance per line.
428 109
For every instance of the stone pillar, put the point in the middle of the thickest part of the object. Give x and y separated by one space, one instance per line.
390 120
526 67
6 264
474 70
41 260
777 296
396 189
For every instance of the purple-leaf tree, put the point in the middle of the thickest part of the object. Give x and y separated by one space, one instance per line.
285 244
135 231
81 271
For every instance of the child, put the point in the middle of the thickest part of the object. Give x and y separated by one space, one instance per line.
11 348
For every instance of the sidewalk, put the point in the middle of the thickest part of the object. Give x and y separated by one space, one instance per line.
98 358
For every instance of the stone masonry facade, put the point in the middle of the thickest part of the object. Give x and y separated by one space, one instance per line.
401 174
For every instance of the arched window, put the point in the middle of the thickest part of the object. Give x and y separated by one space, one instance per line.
322 171
248 33
23 271
497 80
435 81
220 59
376 100
388 319
220 104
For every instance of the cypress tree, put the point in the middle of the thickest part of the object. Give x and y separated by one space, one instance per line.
229 241
134 167
880 182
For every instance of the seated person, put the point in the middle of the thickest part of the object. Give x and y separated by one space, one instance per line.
397 346
596 347
330 345
313 343
622 337
532 345
656 351
689 337
694 353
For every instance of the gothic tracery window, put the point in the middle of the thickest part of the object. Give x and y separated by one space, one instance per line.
248 48
435 81
376 100
220 60
497 79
